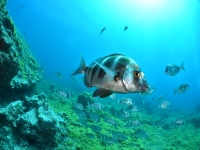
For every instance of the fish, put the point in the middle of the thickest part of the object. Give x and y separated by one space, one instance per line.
125 28
172 70
81 114
160 98
164 104
160 122
94 116
133 123
79 106
132 108
95 106
58 74
113 97
108 139
139 133
181 89
114 73
63 93
110 121
90 135
179 122
126 101
102 30
119 136
95 128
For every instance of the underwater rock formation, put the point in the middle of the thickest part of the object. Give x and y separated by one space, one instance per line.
31 123
18 68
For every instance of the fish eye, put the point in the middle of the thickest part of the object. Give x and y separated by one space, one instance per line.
136 74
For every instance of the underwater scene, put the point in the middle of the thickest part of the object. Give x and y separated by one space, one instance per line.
100 75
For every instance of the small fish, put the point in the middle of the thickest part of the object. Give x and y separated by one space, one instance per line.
126 101
160 122
102 30
132 108
133 123
90 135
83 122
160 98
110 121
125 28
124 114
114 73
108 139
95 128
58 74
172 70
182 88
75 79
178 122
94 116
113 97
164 105
81 114
139 133
119 136
95 106
79 106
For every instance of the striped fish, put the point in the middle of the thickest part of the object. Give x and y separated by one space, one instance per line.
114 73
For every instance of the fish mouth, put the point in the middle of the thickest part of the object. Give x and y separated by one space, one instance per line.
143 87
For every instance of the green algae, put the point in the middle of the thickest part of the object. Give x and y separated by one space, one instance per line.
176 138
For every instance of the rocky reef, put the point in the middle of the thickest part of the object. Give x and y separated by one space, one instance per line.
19 71
31 123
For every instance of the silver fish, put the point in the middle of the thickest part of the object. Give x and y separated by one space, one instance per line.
139 133
126 101
58 74
182 88
133 123
164 104
172 70
114 73
79 106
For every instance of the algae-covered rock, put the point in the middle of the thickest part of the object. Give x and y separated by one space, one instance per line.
19 69
31 123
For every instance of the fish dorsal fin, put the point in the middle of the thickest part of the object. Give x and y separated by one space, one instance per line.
102 93
114 54
107 70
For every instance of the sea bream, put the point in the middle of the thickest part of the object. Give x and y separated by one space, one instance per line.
181 89
114 73
172 70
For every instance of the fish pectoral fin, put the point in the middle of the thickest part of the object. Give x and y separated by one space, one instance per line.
107 70
102 93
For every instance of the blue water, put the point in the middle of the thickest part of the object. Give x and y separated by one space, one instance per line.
160 32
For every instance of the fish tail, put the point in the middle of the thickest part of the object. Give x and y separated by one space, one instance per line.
182 66
81 68
175 91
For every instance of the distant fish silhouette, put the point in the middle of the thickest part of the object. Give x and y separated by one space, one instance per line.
125 28
102 30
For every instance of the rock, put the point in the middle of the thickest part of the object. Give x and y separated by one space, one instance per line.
33 122
19 69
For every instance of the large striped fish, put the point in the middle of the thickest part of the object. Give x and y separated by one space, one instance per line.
114 73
